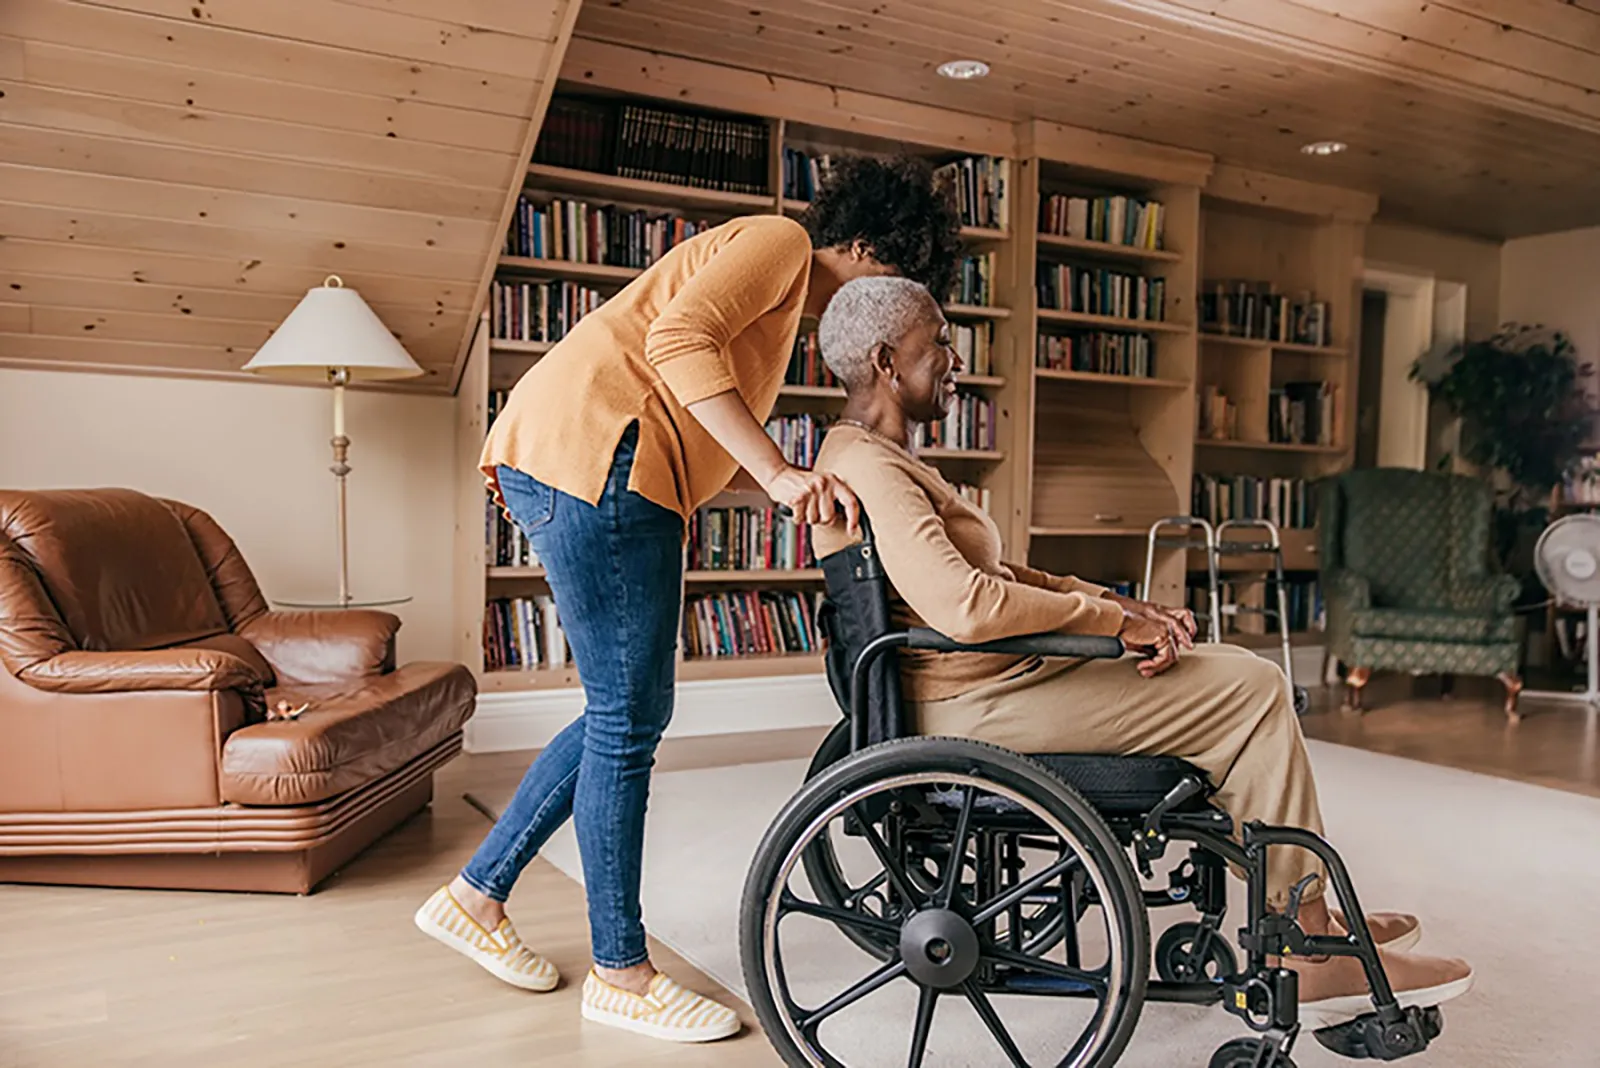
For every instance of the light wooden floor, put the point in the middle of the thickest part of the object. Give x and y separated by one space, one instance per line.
105 977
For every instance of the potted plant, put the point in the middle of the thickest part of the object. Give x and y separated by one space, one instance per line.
1524 423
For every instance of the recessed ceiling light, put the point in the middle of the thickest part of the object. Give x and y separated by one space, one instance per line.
962 69
1324 148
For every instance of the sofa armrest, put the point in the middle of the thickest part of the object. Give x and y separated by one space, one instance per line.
1486 594
136 670
317 647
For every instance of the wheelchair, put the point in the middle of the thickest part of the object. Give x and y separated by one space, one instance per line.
972 872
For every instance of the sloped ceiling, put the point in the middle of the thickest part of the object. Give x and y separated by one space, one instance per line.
175 174
1479 116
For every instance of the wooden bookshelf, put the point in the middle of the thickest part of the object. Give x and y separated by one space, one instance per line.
1084 460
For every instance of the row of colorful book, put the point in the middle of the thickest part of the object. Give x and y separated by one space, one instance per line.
538 311
523 633
579 232
1097 352
747 539
1100 291
1257 310
1304 413
970 425
979 188
1290 503
974 282
750 623
1117 220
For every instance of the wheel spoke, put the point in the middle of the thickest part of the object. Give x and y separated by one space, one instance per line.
958 853
1022 890
891 866
860 920
889 972
991 1020
919 1037
1039 966
860 893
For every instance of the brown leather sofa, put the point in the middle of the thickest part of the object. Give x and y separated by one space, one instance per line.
140 660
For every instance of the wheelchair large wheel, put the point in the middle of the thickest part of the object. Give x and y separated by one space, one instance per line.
949 963
1039 918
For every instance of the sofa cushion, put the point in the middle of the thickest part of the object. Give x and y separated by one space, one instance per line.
1421 625
352 733
118 566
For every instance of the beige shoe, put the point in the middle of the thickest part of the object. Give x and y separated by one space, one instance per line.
1397 932
1335 990
499 952
668 1011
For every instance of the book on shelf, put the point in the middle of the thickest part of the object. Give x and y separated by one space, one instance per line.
1101 291
974 343
1304 413
654 143
803 173
747 539
538 311
1115 220
975 281
523 633
750 623
1124 587
1256 310
970 425
798 437
579 232
979 188
1097 352
1215 415
805 363
1306 611
507 545
1289 503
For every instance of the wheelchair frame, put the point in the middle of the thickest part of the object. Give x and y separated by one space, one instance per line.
1263 996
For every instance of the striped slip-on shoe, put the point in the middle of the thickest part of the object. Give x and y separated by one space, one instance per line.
668 1011
499 952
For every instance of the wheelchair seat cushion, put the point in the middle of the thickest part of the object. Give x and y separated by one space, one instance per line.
1123 785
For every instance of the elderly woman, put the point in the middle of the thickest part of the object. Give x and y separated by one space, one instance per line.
1220 707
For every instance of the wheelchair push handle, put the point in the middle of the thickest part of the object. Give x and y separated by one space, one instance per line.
1091 646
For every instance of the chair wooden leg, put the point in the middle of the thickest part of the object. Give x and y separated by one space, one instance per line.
1513 685
1354 681
1447 686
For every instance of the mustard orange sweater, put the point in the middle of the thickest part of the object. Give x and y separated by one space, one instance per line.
942 556
718 312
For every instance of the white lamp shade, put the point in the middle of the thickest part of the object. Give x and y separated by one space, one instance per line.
332 327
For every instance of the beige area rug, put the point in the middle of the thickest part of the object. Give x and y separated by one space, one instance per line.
1504 874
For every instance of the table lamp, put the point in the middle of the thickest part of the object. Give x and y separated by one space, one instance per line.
333 336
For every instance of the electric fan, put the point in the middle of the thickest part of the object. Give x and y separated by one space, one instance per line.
1568 558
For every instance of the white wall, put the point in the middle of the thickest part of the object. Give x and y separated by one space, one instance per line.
256 456
1555 279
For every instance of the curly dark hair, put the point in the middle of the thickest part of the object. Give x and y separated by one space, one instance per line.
891 206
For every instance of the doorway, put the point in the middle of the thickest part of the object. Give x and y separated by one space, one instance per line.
1417 312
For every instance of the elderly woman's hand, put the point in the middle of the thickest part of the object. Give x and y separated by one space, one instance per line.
814 496
1153 635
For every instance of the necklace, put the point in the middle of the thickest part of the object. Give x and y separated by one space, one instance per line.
874 431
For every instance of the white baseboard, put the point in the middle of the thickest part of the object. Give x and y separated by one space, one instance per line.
530 719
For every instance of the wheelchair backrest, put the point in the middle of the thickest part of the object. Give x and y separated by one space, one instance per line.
854 612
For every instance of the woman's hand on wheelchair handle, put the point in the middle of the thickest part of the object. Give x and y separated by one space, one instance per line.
814 496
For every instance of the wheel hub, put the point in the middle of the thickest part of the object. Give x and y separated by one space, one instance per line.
940 948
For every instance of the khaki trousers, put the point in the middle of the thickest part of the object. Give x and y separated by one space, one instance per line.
1222 708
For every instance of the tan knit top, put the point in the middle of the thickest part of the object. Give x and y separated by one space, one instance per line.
942 556
717 312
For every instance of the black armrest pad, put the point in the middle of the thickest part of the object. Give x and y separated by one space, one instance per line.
1062 645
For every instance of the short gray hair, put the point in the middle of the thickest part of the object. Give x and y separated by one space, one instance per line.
863 314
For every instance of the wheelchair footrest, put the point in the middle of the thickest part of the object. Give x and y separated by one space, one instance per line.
1369 1038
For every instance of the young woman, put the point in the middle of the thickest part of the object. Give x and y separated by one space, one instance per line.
649 407
1220 707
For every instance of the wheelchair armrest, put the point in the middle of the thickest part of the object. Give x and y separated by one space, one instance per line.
1059 645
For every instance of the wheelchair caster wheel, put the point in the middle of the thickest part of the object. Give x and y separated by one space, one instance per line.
1302 700
1177 961
1250 1053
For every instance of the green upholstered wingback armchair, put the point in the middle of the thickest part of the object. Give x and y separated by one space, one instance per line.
1407 583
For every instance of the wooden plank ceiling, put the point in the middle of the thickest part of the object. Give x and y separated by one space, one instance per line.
1479 116
175 174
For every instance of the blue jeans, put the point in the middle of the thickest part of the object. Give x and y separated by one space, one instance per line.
616 571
